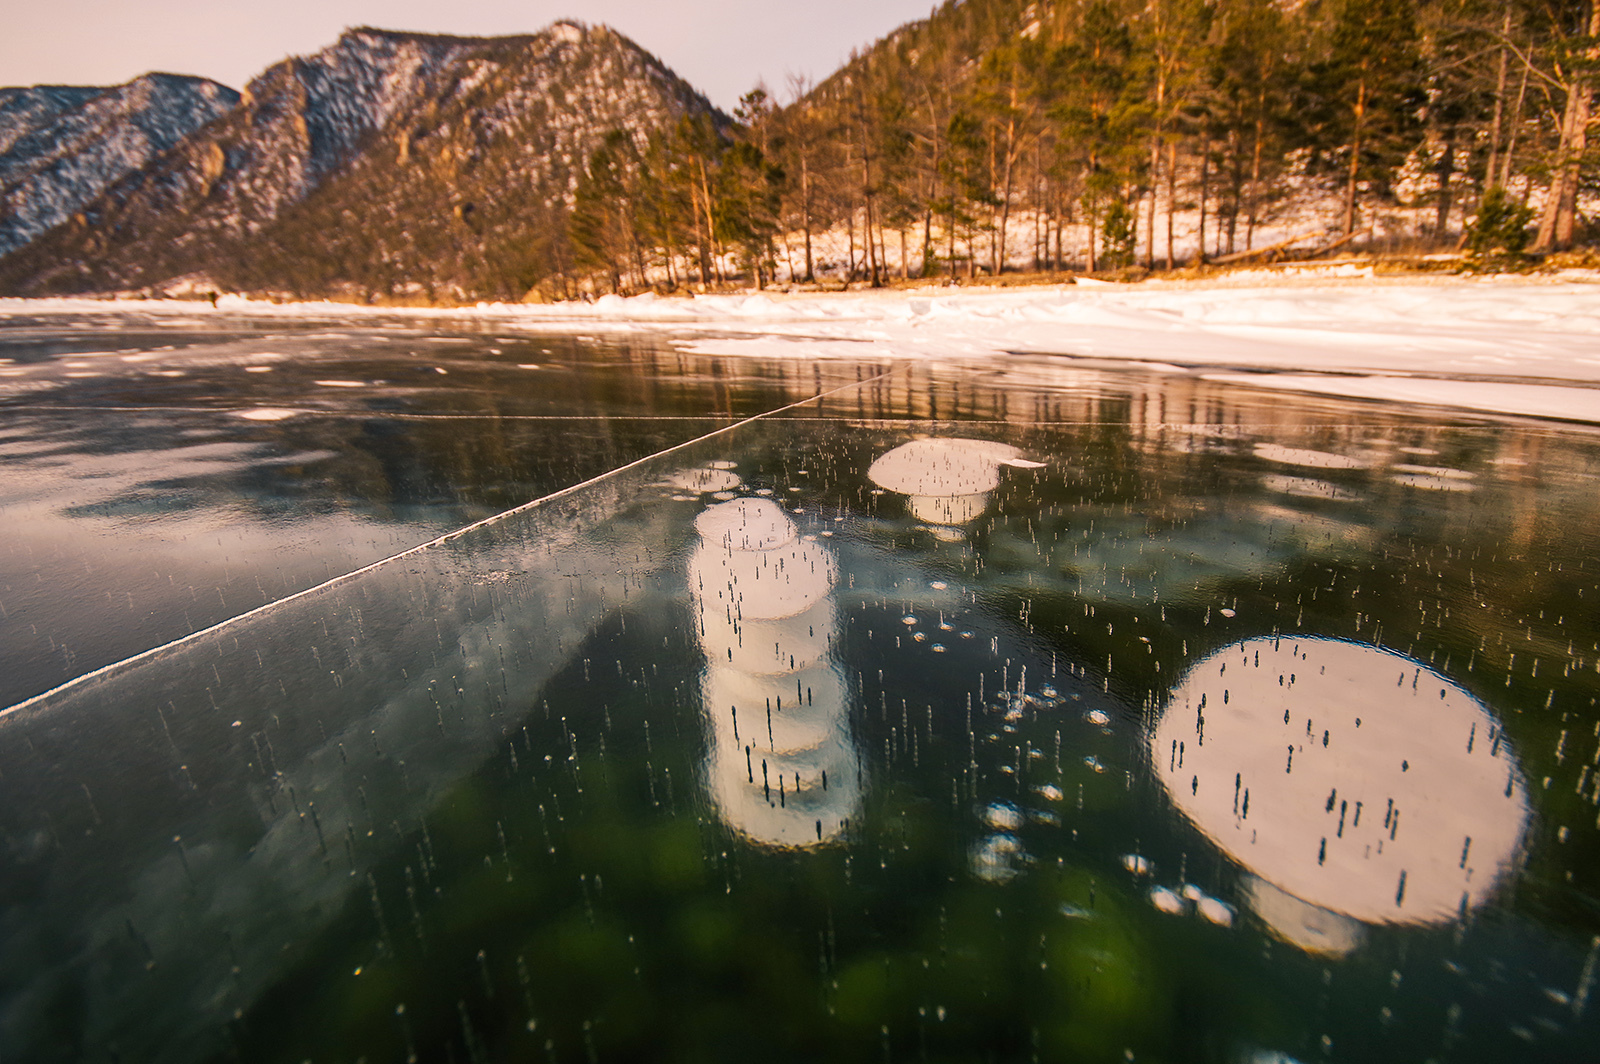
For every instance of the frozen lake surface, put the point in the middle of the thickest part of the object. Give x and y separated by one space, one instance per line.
395 688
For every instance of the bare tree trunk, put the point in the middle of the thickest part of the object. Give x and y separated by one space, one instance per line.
883 250
866 195
1511 136
702 238
850 236
1491 170
1561 208
1005 194
1205 190
1446 170
1255 179
1041 220
950 254
1094 259
1172 199
1150 211
927 241
1355 156
805 211
1235 179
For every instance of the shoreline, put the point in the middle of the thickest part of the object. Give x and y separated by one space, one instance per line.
1335 274
1517 345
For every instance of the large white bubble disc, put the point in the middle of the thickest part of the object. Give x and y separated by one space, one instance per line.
1346 776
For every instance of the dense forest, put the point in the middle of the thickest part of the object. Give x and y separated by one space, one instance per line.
1117 134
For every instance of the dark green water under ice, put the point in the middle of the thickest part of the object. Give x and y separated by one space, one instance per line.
992 712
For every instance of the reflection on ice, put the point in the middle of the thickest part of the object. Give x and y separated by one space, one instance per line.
781 766
1353 784
948 480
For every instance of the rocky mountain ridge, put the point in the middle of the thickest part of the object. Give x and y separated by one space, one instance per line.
62 146
386 159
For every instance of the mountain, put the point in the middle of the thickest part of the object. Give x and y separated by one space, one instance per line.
22 111
387 162
62 146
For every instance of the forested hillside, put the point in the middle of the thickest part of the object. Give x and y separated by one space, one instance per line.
995 135
1077 131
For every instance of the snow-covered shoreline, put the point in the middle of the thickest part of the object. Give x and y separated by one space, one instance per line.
1518 346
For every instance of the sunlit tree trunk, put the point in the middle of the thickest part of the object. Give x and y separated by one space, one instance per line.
1561 206
1355 154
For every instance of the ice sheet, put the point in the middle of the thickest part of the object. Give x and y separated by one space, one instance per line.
1502 345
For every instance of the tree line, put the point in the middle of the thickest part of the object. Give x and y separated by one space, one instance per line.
1081 131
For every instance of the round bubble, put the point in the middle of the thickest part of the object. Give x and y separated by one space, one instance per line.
746 525
1344 777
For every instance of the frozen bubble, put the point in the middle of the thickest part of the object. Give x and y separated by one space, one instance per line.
1227 612
1002 816
948 480
1165 900
747 525
267 413
1266 1056
1343 813
908 619
1308 459
1307 488
1434 478
1049 792
994 858
340 384
1217 912
1098 716
707 480
1138 865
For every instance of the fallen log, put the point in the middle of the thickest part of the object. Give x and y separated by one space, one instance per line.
1341 242
1240 256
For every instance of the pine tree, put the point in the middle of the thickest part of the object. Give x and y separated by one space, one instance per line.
1373 75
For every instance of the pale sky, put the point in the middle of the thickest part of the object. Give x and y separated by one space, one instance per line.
720 46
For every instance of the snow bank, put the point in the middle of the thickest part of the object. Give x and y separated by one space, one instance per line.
1505 345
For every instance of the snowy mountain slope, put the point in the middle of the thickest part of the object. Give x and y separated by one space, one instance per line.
466 186
386 156
23 110
60 147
